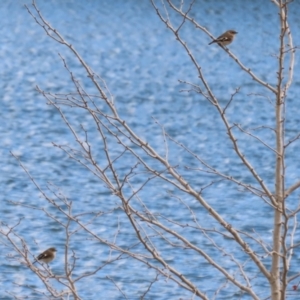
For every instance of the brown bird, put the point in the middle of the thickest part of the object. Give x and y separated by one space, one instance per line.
225 39
47 256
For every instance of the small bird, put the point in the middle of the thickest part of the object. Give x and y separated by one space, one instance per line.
47 256
225 39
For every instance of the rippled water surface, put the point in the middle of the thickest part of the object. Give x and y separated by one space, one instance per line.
142 63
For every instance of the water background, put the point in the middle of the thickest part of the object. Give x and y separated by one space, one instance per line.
141 62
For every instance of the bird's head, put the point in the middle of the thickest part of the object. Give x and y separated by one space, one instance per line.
233 32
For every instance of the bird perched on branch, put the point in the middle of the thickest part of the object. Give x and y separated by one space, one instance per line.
226 38
46 256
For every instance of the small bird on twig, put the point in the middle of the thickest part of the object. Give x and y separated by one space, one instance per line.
225 39
46 256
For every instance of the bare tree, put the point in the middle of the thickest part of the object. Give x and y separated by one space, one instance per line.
202 241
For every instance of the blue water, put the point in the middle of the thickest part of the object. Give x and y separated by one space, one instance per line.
141 61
